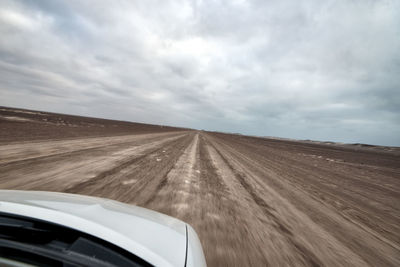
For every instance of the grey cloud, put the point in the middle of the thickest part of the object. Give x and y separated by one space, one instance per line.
326 70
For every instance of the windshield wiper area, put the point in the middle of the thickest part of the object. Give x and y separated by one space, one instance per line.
37 242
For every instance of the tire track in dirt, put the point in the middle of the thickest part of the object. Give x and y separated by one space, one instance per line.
333 188
176 185
68 170
343 233
246 222
322 171
279 237
193 192
218 212
148 187
366 210
65 155
133 180
82 187
322 168
33 152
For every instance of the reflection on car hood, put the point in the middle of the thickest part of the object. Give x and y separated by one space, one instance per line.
157 238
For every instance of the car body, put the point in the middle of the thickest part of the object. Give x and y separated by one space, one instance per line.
155 238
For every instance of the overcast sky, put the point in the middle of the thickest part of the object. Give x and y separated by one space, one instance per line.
322 70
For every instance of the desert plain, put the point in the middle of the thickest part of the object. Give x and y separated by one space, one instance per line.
254 201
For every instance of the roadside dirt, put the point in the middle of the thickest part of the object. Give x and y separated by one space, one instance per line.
21 125
252 201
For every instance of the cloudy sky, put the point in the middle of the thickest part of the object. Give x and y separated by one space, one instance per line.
322 70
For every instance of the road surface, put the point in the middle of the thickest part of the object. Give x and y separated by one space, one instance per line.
252 201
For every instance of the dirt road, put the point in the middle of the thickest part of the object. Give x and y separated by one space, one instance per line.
252 201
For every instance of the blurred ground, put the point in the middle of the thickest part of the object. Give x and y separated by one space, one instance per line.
253 201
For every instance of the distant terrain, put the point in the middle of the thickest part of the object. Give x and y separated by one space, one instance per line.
23 125
253 201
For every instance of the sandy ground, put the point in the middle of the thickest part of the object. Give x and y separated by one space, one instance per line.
252 201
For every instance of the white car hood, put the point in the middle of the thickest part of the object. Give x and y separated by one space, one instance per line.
157 238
